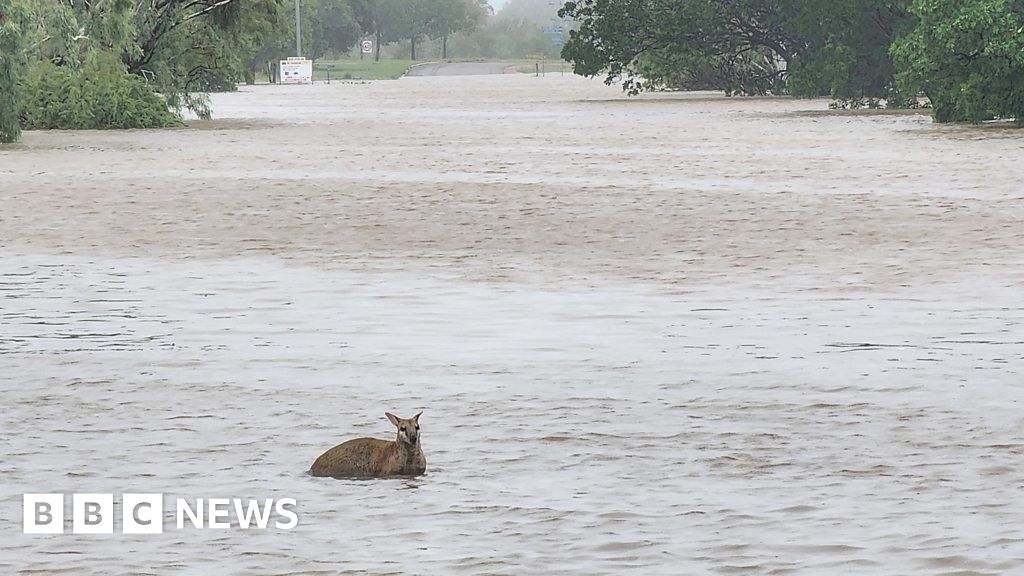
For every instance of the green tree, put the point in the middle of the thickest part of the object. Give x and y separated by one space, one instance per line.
77 79
450 16
267 41
742 46
328 26
417 20
968 58
387 20
101 95
516 31
843 49
102 64
186 48
15 22
337 29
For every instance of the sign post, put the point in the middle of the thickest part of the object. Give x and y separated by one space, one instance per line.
298 29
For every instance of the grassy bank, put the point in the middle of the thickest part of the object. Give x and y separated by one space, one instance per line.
545 66
367 69
360 69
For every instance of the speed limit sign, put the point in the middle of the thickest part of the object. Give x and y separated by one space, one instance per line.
367 46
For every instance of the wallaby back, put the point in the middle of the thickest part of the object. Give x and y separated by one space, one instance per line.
373 458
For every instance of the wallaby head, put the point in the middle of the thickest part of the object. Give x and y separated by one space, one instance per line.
408 428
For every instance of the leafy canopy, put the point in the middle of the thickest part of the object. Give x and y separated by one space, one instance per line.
15 23
802 47
968 57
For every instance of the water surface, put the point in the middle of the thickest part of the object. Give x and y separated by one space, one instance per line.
681 334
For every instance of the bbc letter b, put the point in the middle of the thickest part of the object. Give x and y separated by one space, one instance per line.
92 513
43 513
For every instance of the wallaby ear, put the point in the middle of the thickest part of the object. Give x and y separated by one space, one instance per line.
417 417
392 417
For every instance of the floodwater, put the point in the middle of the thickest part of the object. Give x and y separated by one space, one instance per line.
676 334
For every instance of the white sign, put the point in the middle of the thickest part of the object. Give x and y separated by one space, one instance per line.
367 46
296 70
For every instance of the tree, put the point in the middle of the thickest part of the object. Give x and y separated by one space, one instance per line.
120 63
185 48
428 19
337 29
15 20
73 76
450 16
100 95
328 26
803 47
516 31
415 20
385 19
843 49
968 58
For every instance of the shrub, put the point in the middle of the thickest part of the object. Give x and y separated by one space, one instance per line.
100 95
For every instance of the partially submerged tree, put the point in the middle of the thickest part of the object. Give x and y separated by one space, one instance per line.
968 58
741 46
102 64
99 95
188 47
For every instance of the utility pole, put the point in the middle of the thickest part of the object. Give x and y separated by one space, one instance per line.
298 31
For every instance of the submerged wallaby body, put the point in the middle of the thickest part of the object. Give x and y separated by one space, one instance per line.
373 458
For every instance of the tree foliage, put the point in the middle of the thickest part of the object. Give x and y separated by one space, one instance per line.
15 21
100 95
442 18
185 48
802 47
968 57
415 20
102 64
517 30
328 27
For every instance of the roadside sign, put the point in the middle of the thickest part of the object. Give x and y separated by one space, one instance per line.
366 46
296 70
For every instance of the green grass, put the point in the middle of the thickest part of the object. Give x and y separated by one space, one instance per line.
548 67
367 69
360 69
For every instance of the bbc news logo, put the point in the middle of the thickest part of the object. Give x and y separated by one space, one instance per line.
144 513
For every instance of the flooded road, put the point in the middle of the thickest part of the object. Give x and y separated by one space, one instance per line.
678 334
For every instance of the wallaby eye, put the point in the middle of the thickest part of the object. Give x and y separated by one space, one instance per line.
402 428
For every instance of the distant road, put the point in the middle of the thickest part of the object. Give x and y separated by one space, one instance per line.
458 69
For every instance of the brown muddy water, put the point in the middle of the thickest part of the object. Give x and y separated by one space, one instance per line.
677 334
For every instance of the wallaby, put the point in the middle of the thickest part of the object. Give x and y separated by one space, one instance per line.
373 458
